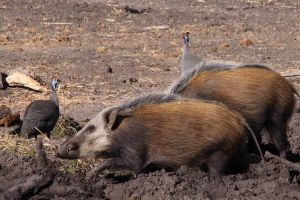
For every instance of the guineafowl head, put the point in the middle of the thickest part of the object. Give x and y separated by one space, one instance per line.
54 84
54 87
186 38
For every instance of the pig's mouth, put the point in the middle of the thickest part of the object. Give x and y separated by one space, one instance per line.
70 151
105 154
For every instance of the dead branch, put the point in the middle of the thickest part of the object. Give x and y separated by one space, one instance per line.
58 189
41 154
34 183
57 23
288 163
291 75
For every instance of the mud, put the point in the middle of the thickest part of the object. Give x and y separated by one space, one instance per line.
106 52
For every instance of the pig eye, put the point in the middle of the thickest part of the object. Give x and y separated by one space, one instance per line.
72 147
90 128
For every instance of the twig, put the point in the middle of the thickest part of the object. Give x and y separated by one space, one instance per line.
42 161
295 166
57 23
62 128
40 131
45 137
291 75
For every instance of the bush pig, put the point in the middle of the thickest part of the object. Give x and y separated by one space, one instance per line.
163 130
262 96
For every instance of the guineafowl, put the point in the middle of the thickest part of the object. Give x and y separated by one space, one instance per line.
188 60
41 115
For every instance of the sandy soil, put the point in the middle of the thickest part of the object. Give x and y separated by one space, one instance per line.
95 47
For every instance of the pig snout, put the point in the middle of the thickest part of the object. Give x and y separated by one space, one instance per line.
67 151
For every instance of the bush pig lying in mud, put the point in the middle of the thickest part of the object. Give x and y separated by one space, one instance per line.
262 96
163 130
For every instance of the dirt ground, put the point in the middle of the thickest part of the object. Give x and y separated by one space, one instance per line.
108 51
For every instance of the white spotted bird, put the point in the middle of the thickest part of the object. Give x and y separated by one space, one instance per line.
41 115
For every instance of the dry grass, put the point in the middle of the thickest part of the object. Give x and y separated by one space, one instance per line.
79 165
17 145
65 127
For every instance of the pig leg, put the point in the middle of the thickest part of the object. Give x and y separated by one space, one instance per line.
113 163
216 163
277 132
96 170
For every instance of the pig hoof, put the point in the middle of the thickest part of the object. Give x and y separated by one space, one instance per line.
91 176
284 154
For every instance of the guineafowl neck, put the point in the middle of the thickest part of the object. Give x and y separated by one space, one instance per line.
186 51
53 97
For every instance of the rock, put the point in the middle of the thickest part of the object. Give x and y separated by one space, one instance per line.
101 49
246 42
4 111
3 83
10 120
133 80
7 118
137 11
130 80
224 45
19 79
109 69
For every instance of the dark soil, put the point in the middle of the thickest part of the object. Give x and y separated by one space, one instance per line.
106 52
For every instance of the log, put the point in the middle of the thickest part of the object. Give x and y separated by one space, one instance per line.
288 163
36 182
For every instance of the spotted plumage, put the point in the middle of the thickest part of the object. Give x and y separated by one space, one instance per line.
41 115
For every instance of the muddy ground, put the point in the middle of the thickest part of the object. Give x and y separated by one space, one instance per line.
97 47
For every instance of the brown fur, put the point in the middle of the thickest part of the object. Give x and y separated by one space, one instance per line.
164 130
225 128
179 133
261 95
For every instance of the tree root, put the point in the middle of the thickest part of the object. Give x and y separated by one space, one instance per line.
288 163
36 182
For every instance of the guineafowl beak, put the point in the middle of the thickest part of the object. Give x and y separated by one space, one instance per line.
186 38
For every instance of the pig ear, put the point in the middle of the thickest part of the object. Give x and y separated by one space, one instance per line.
111 118
114 118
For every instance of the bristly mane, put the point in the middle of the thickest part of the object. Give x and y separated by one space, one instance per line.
171 94
182 82
155 98
152 98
